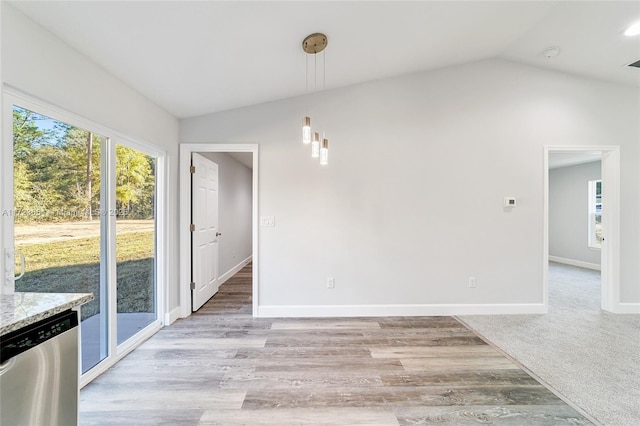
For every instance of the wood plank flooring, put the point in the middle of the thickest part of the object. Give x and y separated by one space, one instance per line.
222 367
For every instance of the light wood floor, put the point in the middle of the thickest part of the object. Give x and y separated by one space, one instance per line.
221 366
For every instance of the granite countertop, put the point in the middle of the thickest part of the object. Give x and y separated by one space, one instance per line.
18 310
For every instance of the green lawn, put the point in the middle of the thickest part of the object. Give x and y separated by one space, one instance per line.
73 266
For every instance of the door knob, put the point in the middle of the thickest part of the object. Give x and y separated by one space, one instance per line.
218 234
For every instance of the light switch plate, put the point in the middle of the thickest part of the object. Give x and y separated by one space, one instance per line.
267 221
509 201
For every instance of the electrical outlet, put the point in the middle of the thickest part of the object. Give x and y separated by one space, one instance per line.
472 282
331 283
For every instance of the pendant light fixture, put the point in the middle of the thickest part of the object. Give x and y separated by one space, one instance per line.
312 45
324 152
306 130
315 145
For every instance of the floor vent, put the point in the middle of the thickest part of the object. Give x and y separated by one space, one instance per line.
635 64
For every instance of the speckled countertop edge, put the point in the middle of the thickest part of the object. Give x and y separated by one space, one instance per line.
18 310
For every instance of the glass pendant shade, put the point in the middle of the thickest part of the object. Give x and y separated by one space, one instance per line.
306 130
324 152
315 145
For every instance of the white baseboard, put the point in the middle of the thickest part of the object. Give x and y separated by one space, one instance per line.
627 308
172 316
577 263
231 272
310 311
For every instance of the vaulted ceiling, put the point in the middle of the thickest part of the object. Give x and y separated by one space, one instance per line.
194 58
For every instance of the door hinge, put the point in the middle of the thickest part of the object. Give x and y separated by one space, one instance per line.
192 227
192 169
192 285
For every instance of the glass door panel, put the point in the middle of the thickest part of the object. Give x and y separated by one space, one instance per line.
135 241
57 218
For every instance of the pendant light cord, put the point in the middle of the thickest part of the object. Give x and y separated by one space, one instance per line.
306 85
324 95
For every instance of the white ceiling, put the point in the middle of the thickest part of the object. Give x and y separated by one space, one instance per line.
194 58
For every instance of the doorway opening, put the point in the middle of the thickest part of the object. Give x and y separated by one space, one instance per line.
570 197
231 257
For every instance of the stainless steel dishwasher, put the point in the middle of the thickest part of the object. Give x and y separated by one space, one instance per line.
39 373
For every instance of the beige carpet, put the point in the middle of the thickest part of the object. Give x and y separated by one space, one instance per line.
590 357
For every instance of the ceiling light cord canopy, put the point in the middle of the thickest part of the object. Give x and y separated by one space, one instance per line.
312 45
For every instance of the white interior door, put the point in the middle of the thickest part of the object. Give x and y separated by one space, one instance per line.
204 241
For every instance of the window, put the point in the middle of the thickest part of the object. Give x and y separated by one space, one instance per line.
595 213
87 208
57 187
135 241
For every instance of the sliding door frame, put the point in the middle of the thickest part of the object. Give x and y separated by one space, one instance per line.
115 352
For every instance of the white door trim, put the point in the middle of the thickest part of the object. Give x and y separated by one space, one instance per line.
186 149
610 263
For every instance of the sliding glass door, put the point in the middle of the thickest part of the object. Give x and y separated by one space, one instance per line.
135 240
57 186
84 220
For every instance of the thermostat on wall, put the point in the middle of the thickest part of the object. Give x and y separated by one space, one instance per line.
509 201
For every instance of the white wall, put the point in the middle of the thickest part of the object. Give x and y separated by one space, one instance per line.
234 209
37 63
411 204
569 212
